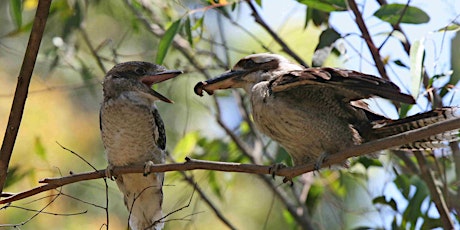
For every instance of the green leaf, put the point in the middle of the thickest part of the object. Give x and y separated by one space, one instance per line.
324 47
213 182
166 41
368 162
186 145
452 28
39 148
382 200
314 196
400 63
403 184
188 31
413 211
392 13
198 24
15 175
325 5
417 57
16 12
88 77
431 223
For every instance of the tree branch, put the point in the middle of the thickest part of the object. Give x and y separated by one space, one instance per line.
436 194
22 88
367 37
289 172
274 35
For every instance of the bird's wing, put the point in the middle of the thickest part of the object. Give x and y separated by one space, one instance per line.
351 85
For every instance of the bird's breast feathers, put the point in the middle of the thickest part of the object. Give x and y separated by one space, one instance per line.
129 130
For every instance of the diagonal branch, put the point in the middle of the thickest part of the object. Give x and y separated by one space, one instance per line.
436 194
367 37
274 35
22 88
289 172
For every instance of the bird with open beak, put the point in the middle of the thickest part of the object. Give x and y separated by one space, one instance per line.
133 134
313 112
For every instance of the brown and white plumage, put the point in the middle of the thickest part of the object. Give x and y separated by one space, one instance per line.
310 111
133 134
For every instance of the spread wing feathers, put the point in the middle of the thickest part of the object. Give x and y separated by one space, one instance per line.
387 128
350 84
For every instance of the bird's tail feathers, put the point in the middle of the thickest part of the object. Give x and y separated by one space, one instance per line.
392 127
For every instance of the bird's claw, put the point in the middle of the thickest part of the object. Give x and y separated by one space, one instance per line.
109 172
274 169
320 161
147 166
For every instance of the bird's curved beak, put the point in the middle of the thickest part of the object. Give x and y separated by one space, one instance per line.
223 81
153 78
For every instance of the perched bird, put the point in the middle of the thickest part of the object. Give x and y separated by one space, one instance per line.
313 112
133 134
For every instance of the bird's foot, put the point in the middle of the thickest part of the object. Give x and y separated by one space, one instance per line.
109 172
274 169
147 166
320 161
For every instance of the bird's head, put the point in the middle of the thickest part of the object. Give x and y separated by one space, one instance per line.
247 72
136 76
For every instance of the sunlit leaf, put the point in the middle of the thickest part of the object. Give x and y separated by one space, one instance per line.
394 34
392 13
417 56
451 28
198 24
287 216
186 145
16 12
39 148
325 5
166 41
213 182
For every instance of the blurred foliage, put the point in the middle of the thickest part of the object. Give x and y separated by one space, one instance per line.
84 39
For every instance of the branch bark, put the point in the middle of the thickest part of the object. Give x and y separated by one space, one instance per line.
289 172
22 88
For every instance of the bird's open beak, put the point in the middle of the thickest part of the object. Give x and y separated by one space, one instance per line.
224 81
154 78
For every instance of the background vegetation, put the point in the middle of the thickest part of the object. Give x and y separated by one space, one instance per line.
413 43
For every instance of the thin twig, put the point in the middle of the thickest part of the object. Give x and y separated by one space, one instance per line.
274 35
436 194
368 39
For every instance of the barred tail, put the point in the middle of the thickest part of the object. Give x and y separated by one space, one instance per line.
389 128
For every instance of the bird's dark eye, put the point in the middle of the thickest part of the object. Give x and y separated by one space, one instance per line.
140 71
249 64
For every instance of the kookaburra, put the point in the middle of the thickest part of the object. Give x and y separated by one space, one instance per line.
133 134
313 112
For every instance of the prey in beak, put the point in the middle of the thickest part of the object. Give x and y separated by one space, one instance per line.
224 81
